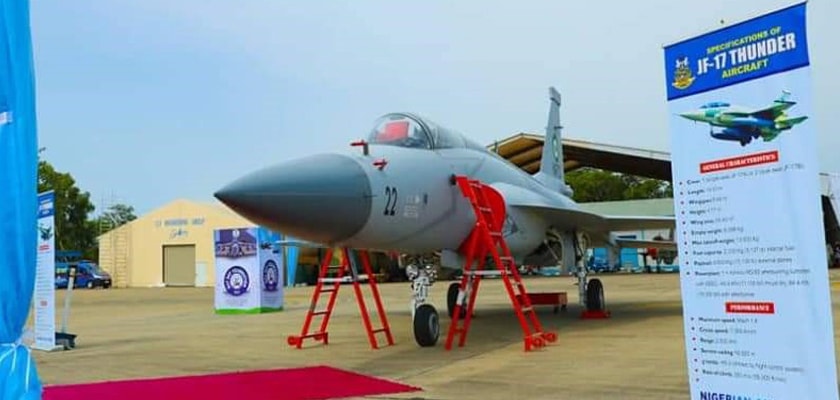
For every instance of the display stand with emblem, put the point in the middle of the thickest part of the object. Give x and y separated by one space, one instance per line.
249 271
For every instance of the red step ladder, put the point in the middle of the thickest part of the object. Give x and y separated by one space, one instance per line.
321 334
486 241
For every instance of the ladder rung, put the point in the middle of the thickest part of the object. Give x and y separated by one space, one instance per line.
344 279
322 312
488 272
313 334
380 330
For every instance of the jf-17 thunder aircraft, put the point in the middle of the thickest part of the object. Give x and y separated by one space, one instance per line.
742 124
399 195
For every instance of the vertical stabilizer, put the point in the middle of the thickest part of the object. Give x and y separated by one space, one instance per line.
551 172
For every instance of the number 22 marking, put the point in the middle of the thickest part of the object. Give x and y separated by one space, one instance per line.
390 200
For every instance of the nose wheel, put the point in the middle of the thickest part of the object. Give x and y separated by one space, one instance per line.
425 318
426 325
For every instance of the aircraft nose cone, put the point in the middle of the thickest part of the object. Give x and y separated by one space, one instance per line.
323 198
692 115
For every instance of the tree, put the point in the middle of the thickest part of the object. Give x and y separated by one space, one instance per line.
592 185
74 231
117 215
596 185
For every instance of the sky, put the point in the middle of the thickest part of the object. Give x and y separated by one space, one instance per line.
147 101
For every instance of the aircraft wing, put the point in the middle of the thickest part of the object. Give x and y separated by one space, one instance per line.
584 221
646 244
768 113
300 243
573 218
635 223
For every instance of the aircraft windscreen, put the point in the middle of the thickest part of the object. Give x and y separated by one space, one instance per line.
399 130
715 104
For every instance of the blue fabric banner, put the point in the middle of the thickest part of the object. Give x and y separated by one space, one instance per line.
766 45
18 200
291 265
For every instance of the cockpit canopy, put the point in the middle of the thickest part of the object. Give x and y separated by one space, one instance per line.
715 104
407 130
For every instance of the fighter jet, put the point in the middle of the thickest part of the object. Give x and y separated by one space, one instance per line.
396 192
742 124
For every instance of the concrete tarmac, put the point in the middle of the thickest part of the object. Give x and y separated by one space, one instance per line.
639 353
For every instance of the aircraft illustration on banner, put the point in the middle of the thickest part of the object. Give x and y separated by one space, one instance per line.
743 124
399 194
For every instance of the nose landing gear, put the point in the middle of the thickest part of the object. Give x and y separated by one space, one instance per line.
426 320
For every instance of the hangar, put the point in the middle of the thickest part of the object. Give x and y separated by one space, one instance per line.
170 246
524 150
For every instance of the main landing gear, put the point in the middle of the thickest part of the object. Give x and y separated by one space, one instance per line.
591 292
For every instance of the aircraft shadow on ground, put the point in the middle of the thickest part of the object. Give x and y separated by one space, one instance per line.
497 322
495 327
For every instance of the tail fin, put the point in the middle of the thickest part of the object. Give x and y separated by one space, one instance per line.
783 98
789 122
552 173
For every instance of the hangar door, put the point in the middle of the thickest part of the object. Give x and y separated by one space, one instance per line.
179 265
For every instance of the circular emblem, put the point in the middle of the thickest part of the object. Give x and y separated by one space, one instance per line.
270 276
236 281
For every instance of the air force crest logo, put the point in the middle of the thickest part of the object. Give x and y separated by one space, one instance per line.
236 281
682 74
271 274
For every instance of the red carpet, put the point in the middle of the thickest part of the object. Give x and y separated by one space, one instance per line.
286 384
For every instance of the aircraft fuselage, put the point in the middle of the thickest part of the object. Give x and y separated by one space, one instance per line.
417 208
410 204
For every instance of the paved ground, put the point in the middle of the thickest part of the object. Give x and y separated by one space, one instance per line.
637 354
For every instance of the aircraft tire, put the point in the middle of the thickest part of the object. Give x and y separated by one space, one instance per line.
452 298
595 295
426 325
